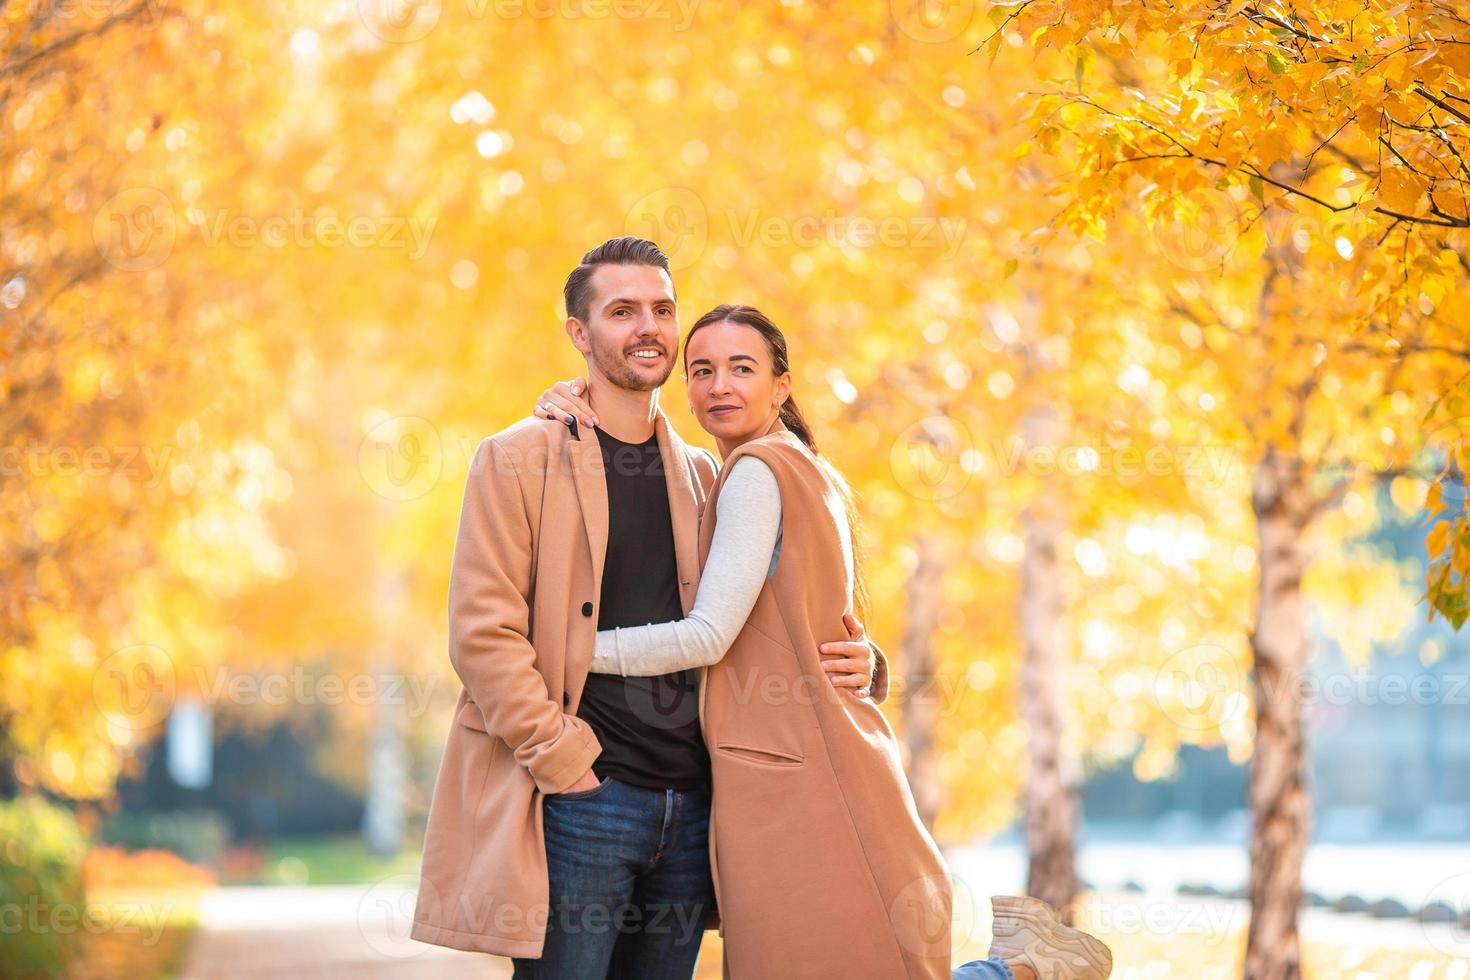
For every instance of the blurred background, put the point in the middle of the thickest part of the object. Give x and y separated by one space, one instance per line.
1140 331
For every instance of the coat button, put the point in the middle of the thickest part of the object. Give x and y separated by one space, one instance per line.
586 609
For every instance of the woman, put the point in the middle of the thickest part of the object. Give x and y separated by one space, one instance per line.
801 770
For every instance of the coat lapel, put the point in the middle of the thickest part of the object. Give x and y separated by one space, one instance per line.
683 508
584 455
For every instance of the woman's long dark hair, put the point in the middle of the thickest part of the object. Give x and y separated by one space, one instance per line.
792 418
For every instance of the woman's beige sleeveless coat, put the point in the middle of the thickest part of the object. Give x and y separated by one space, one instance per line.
823 868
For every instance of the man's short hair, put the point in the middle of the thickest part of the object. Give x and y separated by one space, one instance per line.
627 250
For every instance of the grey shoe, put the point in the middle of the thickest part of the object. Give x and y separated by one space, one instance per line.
1028 931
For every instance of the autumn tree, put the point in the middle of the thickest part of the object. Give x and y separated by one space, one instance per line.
131 483
1319 152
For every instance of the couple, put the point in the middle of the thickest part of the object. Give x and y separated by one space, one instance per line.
652 738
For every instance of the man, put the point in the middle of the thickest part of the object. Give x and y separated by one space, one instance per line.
569 823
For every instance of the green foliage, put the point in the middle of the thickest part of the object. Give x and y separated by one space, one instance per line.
41 887
196 837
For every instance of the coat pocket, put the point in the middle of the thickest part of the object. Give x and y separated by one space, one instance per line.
470 717
581 794
767 757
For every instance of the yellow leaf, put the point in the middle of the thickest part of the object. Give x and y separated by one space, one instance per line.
1401 189
1437 538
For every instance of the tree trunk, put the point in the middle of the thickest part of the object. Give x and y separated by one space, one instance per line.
1052 773
383 814
1279 803
921 694
383 810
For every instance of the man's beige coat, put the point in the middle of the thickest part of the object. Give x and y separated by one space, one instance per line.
523 595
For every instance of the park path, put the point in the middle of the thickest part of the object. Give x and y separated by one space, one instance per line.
361 931
286 932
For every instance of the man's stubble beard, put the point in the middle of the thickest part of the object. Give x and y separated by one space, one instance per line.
614 366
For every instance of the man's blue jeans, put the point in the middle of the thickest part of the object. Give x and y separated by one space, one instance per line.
630 884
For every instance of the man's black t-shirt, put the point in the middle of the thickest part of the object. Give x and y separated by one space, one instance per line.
648 726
